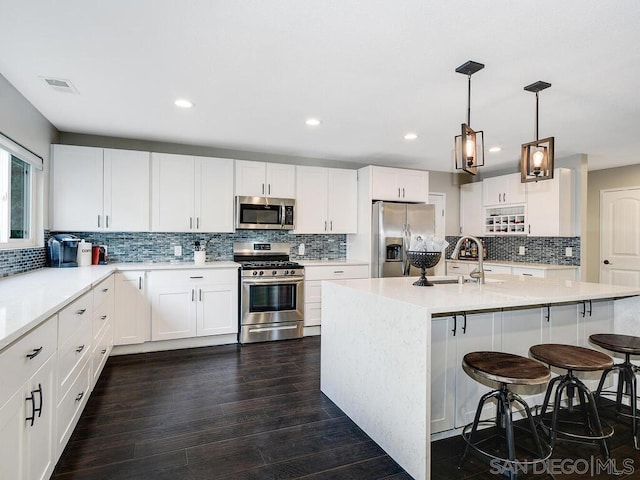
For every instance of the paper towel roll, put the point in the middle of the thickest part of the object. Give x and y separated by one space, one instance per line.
84 254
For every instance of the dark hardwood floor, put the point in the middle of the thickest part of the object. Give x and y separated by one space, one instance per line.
232 412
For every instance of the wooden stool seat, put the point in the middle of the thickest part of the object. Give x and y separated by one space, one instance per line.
570 357
505 368
617 343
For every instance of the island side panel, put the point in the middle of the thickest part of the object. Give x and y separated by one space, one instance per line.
626 316
375 366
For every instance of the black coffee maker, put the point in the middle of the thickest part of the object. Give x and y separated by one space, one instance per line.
63 250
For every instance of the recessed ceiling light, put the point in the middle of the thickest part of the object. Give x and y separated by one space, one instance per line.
182 103
495 149
411 136
312 122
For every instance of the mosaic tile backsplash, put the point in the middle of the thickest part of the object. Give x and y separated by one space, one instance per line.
21 260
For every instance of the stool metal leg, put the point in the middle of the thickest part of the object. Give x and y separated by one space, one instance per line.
476 421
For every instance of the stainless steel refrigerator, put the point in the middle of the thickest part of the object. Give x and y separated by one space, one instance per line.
393 225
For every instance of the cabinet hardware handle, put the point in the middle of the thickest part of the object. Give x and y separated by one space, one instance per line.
107 221
331 225
98 221
81 311
263 188
325 225
79 396
193 294
197 222
103 351
338 271
590 308
199 276
200 294
584 308
139 283
548 315
398 192
464 325
269 192
402 192
455 324
504 197
79 349
34 353
103 317
527 274
39 409
499 198
32 418
190 223
105 290
529 229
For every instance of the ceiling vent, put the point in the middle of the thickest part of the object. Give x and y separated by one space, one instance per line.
60 84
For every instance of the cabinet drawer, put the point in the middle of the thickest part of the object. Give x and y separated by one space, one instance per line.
71 318
312 314
72 356
103 291
101 316
173 277
497 269
101 352
16 367
458 268
71 405
528 272
312 291
336 272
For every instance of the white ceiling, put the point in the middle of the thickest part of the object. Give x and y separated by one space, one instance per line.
371 70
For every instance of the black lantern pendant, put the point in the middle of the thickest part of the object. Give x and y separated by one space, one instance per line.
469 145
537 157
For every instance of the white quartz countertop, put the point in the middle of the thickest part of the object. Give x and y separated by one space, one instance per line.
542 266
26 300
500 291
313 263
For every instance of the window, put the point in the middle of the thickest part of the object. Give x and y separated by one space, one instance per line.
16 188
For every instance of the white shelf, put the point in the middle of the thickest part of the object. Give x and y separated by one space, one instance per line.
505 220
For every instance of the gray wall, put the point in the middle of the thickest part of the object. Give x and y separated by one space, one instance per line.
601 180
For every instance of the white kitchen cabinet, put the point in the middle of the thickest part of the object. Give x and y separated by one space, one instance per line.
27 410
95 189
455 395
313 277
569 273
550 205
326 200
489 269
191 194
190 303
396 184
132 318
503 190
260 179
103 318
471 209
460 267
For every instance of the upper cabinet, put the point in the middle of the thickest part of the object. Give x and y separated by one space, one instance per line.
259 179
396 184
326 200
191 194
95 189
503 190
550 205
471 209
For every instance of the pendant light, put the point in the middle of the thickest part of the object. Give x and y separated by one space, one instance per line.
469 145
537 157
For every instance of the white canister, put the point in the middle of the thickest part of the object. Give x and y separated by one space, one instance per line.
199 256
84 254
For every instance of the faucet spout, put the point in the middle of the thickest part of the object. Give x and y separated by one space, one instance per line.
478 273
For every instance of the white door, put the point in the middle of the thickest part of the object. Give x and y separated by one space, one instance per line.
126 190
173 312
213 195
172 193
217 309
620 237
131 318
342 200
311 200
439 200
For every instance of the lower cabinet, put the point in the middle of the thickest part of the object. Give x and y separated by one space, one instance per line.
313 277
132 319
464 267
190 303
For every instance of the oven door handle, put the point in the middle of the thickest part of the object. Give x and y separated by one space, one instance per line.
271 329
281 281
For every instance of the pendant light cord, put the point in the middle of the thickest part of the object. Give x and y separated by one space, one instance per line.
469 102
537 138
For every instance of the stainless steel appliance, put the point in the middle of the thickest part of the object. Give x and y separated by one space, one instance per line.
271 292
393 225
265 213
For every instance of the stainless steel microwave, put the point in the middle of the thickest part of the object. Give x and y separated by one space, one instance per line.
265 213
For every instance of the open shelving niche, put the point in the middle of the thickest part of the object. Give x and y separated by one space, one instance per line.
507 220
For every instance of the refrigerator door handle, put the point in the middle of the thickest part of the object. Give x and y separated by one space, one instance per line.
405 247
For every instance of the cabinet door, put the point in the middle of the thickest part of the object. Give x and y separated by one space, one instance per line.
280 180
414 185
132 310
172 193
562 324
459 268
213 194
342 200
40 437
443 374
515 190
311 200
481 334
521 329
550 205
12 432
250 178
173 312
126 190
217 309
471 211
504 189
384 184
76 188
492 191
594 316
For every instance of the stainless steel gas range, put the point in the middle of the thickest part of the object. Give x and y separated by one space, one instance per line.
271 292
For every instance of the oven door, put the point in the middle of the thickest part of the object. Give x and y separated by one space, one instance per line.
272 300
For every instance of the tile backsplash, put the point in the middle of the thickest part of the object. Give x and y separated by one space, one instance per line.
22 260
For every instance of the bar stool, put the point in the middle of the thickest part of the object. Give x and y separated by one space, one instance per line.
571 359
506 369
627 385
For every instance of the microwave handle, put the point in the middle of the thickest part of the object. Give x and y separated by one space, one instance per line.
282 212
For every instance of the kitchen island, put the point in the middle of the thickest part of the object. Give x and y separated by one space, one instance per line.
380 357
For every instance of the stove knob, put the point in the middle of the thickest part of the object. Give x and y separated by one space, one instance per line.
261 273
274 273
255 272
292 272
286 272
